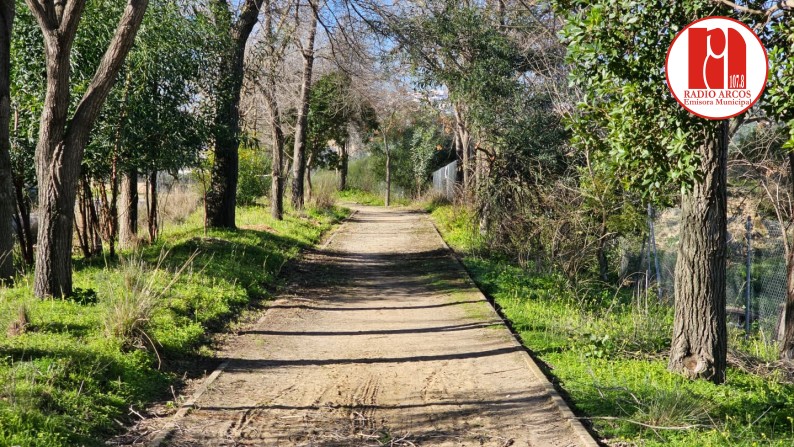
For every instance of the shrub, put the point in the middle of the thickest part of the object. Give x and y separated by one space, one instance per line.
254 179
324 191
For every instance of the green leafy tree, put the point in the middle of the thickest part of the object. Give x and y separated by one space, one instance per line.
157 118
7 11
617 51
417 145
234 27
63 136
27 99
330 112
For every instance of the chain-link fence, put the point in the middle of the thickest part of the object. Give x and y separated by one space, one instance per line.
754 302
444 180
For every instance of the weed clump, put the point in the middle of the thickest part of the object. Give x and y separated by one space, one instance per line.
20 325
131 303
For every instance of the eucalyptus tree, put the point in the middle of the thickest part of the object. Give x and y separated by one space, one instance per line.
7 12
62 139
236 28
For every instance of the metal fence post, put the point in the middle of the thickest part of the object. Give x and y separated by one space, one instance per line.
747 291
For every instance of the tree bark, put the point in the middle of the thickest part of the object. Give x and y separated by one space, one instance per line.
276 128
88 233
309 186
388 170
699 346
7 10
464 140
301 128
25 232
277 164
343 162
128 218
62 141
151 207
221 200
787 343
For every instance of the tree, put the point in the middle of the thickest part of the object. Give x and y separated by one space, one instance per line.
27 98
301 128
221 198
157 119
779 104
62 140
7 11
333 108
615 49
274 44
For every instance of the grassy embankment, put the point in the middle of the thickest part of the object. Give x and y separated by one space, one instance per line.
363 197
608 353
80 365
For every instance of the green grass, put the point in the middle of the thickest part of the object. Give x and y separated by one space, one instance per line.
608 353
66 382
363 197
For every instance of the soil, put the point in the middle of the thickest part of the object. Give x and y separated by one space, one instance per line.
380 340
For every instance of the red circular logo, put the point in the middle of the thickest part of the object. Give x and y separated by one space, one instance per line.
717 68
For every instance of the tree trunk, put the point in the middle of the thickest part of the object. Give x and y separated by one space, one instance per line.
276 129
343 161
25 232
464 141
151 206
309 186
301 128
109 210
128 218
87 226
111 206
601 256
388 170
787 343
277 179
601 248
699 346
221 200
62 141
7 10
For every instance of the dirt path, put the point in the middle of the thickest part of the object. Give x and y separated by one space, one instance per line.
381 341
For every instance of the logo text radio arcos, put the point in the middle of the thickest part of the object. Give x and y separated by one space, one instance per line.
711 94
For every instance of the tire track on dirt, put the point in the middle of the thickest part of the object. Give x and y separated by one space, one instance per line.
381 340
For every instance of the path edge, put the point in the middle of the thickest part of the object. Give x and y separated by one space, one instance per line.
574 422
189 404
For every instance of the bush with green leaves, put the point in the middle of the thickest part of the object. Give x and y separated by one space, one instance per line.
254 176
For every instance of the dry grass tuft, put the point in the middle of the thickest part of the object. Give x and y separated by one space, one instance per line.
20 325
129 306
